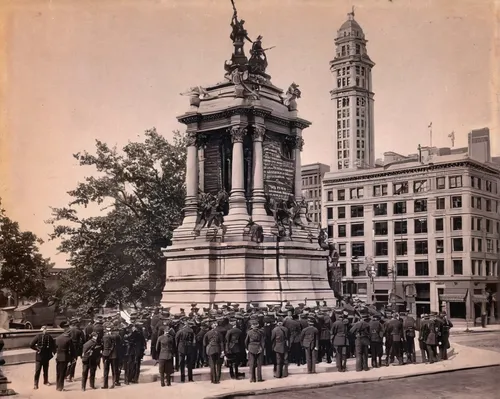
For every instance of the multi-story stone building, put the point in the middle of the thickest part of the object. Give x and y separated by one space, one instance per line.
427 223
353 99
312 176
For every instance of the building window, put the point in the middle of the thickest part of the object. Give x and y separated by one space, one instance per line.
487 271
440 183
456 201
399 208
356 192
439 246
422 268
382 270
456 222
329 213
380 228
341 212
341 195
381 248
380 190
458 244
479 245
420 205
401 248
439 224
402 269
420 226
400 188
488 205
343 268
457 267
476 202
440 203
357 211
330 231
420 186
342 249
489 245
421 247
473 267
440 267
358 249
342 230
400 227
455 181
330 195
357 230
380 209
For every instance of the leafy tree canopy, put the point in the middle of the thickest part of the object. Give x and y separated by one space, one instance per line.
23 268
116 256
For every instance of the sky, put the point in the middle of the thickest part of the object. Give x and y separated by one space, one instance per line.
73 71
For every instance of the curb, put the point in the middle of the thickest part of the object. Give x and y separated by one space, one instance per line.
268 391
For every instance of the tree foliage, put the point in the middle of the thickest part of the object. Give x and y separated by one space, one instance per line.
23 268
116 256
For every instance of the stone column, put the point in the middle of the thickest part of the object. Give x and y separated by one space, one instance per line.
201 168
258 198
237 202
191 208
299 145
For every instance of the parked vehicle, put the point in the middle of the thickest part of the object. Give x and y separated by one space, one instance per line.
34 316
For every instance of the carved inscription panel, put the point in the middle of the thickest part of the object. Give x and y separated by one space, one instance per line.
279 171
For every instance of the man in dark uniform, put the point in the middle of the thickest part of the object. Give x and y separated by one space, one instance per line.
394 330
155 324
361 331
309 339
88 330
421 337
200 351
109 358
303 319
269 356
139 349
165 347
340 331
214 345
255 344
234 342
409 328
90 360
446 325
376 337
65 353
325 326
294 328
185 342
78 341
45 347
99 329
280 345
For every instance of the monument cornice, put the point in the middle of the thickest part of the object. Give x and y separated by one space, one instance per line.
266 113
410 171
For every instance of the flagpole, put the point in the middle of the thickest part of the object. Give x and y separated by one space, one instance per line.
430 132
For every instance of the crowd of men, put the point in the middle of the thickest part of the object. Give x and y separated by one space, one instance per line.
238 337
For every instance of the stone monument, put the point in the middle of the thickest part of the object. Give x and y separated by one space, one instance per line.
245 237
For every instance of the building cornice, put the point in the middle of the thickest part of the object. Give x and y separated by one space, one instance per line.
409 171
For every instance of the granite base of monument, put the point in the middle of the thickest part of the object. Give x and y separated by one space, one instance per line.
4 390
244 272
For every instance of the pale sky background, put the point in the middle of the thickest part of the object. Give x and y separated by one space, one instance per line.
74 71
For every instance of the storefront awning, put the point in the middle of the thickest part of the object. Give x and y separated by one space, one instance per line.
453 295
452 298
480 298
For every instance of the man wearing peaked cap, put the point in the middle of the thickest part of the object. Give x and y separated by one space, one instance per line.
309 339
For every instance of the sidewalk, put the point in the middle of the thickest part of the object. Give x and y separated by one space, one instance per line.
462 329
465 357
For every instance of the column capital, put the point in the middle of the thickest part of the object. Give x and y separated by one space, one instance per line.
237 133
258 133
297 142
191 139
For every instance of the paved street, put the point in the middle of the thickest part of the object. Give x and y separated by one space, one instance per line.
478 383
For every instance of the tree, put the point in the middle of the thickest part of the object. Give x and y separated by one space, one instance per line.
116 256
23 269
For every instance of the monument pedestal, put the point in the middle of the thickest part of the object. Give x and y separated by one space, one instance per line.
244 272
4 390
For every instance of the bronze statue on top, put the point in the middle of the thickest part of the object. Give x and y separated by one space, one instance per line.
238 36
258 59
